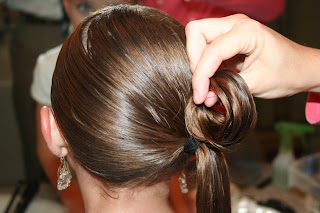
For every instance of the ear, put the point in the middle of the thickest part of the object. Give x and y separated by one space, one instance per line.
51 133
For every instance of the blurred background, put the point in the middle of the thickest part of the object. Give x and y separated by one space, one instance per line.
253 165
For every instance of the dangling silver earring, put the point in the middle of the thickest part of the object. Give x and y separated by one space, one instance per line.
183 183
64 175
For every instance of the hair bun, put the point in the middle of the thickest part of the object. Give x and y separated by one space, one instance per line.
223 127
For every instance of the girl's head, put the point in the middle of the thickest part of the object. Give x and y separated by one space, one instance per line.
122 101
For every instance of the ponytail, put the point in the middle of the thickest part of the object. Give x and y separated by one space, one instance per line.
230 121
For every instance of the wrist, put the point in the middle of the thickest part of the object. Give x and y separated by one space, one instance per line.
307 69
312 69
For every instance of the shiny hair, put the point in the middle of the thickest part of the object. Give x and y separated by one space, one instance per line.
122 99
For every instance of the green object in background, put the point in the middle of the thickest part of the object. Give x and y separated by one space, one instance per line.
288 131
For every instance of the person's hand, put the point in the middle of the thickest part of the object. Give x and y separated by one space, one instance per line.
272 65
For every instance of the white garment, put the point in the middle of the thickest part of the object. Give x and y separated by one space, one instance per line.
47 9
42 76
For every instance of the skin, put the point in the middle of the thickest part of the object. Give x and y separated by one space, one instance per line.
271 65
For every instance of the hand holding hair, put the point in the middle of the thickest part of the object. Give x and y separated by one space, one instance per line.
271 65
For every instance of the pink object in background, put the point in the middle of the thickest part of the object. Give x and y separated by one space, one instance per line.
313 108
189 10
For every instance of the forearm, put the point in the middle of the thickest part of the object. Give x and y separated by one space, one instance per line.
311 70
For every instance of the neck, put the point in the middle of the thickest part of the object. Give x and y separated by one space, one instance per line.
142 200
99 199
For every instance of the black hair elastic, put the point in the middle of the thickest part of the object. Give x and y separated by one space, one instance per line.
191 145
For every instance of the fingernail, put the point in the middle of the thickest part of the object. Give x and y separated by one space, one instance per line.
195 96
211 95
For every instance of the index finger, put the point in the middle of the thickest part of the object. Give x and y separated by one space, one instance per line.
202 32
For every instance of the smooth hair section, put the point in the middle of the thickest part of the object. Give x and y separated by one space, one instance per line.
122 99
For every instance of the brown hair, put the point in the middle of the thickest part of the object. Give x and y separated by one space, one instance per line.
122 99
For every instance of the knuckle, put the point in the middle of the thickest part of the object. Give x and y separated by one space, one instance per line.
241 16
191 26
251 24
